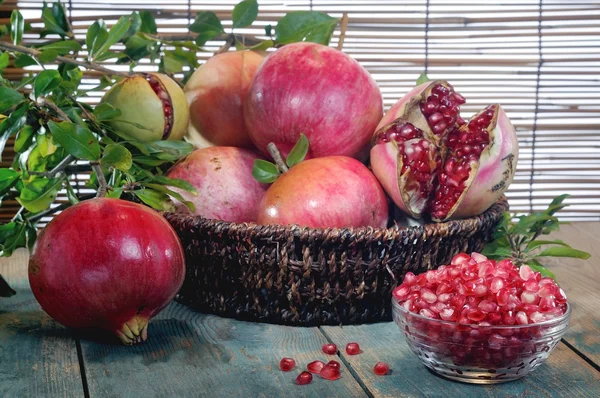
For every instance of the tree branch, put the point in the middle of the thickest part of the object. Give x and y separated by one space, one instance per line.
230 41
57 169
102 185
343 31
46 102
35 53
276 155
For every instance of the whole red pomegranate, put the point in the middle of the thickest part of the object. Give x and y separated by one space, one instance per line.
315 90
108 264
431 161
333 191
152 105
223 178
215 93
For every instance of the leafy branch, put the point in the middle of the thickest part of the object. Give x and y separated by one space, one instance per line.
518 240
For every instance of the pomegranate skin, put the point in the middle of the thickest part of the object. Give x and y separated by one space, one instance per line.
333 191
108 264
223 178
316 90
215 94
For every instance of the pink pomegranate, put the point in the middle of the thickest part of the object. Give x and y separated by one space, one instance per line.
223 178
316 90
334 191
108 264
215 93
430 161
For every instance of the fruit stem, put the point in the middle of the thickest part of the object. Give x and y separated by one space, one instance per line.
102 185
276 155
343 27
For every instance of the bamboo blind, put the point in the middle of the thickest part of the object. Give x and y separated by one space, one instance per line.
539 59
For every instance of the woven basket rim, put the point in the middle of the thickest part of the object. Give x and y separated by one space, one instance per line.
268 231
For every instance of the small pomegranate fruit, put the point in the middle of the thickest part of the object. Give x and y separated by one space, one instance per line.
381 368
316 90
153 107
287 364
352 349
430 161
215 93
109 264
223 178
331 372
315 366
304 378
329 349
333 191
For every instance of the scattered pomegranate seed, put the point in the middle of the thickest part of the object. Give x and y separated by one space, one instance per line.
287 364
334 364
304 378
330 372
315 366
381 368
354 348
329 349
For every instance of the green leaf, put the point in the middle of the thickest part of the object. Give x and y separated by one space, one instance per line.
11 125
106 111
63 47
422 79
148 160
171 63
115 34
176 195
24 139
537 266
17 26
60 15
497 252
556 204
157 200
95 37
115 193
563 252
298 152
536 243
207 25
311 26
71 195
244 13
8 178
24 60
4 61
9 98
118 156
77 140
46 82
265 172
39 194
175 182
47 56
526 224
263 45
45 145
170 150
35 160
51 24
12 236
148 23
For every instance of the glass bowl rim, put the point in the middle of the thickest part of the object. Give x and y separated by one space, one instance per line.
556 321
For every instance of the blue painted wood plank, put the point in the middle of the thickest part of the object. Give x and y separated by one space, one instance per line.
38 357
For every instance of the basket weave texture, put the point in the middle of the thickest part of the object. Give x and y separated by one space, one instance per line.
303 276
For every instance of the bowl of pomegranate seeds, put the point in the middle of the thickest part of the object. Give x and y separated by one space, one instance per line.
481 321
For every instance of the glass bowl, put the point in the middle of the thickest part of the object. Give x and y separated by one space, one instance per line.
479 354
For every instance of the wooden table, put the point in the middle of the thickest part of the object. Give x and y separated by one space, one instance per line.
189 354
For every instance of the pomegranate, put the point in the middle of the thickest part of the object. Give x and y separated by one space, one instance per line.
329 349
333 191
381 368
430 161
109 264
304 378
287 364
223 178
215 93
352 349
315 366
153 107
316 90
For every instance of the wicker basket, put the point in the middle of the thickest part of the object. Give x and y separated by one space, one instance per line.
303 276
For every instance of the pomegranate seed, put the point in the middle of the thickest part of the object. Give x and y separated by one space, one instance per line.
435 118
428 296
521 318
460 259
402 293
315 366
487 306
334 364
352 348
409 278
330 372
381 368
476 315
429 107
525 272
528 297
537 317
496 284
448 314
329 349
287 364
304 378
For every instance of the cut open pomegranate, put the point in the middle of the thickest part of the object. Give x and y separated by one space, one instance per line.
430 161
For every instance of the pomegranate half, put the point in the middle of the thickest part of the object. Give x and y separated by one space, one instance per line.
429 160
107 264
